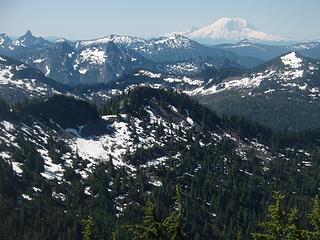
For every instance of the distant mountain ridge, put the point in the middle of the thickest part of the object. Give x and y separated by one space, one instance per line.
266 52
106 59
289 80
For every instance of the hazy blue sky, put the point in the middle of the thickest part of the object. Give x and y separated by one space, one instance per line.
85 19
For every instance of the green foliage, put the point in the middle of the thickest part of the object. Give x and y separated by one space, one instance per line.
88 228
294 233
135 100
279 110
223 195
174 222
275 227
286 226
152 228
74 112
315 219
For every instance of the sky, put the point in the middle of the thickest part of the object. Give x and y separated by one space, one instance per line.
88 19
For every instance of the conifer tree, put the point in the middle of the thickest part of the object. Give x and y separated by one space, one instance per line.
150 228
315 219
275 228
294 233
150 219
173 222
88 226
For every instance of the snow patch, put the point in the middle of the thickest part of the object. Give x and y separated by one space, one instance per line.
83 71
148 74
190 121
17 167
291 60
39 60
156 183
94 56
26 197
47 71
7 125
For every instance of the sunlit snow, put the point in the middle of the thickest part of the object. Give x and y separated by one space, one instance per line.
93 56
291 60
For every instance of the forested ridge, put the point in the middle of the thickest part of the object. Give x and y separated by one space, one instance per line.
225 186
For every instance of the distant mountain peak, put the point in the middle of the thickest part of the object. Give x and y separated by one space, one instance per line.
231 29
174 37
28 34
26 39
118 39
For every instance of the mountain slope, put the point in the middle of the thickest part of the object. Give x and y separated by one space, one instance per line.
287 87
19 81
290 80
145 143
5 41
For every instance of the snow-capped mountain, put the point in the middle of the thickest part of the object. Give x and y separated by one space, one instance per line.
106 62
106 59
164 49
27 42
281 87
61 61
124 64
230 29
284 70
125 41
290 79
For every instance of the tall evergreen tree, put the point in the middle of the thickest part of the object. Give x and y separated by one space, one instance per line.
294 233
275 228
150 228
88 228
315 219
174 222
